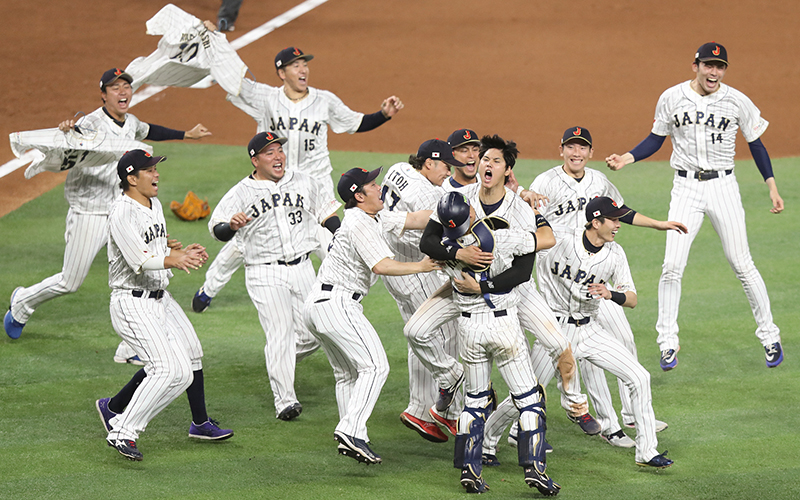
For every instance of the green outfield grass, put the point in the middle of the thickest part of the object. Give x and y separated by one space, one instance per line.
734 425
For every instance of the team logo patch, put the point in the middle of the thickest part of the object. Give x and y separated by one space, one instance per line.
435 154
148 154
596 213
716 50
129 168
297 52
252 152
451 224
577 131
269 136
467 135
118 71
353 188
614 203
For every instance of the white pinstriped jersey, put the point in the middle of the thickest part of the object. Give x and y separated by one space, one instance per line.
186 54
450 185
508 244
568 196
136 235
570 269
304 123
92 190
285 216
703 128
356 247
405 189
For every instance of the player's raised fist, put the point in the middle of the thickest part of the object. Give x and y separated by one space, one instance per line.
198 132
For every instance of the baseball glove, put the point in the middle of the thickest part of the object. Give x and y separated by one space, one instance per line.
192 208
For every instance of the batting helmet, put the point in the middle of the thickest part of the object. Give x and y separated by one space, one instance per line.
453 211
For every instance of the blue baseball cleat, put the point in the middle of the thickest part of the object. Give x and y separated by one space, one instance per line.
774 353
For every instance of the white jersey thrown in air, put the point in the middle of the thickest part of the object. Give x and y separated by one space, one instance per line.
703 128
571 268
357 246
304 123
285 216
136 235
567 196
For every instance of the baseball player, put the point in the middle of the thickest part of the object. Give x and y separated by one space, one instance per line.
564 191
145 315
584 267
489 330
491 197
410 187
466 149
90 193
272 215
702 116
333 310
302 114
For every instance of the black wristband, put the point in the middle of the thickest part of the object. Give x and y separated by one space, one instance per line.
541 221
332 223
618 297
223 231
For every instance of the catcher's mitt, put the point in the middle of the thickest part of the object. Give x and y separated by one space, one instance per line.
192 208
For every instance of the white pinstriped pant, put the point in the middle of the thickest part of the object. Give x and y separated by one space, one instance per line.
721 201
164 338
355 352
278 292
85 235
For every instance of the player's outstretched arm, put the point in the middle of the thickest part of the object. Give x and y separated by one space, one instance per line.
391 267
645 221
600 291
198 132
417 220
616 162
777 201
391 106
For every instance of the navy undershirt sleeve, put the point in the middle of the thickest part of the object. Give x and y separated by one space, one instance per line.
519 272
159 133
761 157
372 121
647 147
627 218
431 243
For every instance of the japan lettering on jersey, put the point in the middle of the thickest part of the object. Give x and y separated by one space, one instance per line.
703 128
567 196
136 235
285 216
571 269
405 189
356 247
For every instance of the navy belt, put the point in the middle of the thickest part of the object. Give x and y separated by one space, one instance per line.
329 288
576 322
291 262
148 295
703 175
497 314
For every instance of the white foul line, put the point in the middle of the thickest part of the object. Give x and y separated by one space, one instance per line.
150 91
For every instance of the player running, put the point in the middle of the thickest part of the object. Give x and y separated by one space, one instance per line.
702 116
272 216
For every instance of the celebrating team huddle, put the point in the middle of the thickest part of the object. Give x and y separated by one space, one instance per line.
482 270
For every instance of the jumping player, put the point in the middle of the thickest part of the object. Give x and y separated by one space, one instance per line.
90 193
409 187
586 265
489 330
272 216
702 116
145 315
302 114
333 310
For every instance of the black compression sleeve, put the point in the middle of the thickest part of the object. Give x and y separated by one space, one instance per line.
628 218
372 121
223 231
431 243
618 297
159 133
332 223
647 147
761 157
518 273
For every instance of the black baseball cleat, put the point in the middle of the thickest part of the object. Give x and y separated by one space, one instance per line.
774 354
659 461
291 412
201 301
535 477
356 448
472 482
445 398
587 423
127 448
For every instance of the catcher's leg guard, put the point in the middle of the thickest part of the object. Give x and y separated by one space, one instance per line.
532 420
469 441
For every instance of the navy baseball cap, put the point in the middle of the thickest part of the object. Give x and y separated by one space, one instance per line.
711 51
463 136
437 149
453 211
135 160
603 206
353 179
290 55
112 76
579 133
262 140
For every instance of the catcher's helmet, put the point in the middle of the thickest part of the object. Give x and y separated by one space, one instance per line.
453 211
